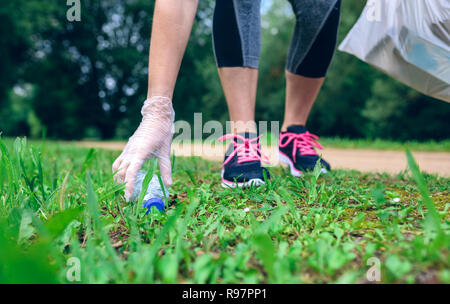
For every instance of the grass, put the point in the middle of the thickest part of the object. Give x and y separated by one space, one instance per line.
60 209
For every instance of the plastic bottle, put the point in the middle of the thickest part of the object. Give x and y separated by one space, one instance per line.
154 196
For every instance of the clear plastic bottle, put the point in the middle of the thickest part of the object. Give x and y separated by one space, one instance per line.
154 195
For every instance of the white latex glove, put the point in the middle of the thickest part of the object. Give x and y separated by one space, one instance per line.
152 138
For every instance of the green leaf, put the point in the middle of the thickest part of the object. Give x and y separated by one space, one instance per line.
397 267
266 252
88 160
59 222
26 230
62 192
338 232
168 267
357 220
92 202
432 220
202 268
336 259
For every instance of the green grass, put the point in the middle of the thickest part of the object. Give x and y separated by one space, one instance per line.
59 202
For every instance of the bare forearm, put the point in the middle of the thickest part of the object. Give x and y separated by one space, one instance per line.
172 25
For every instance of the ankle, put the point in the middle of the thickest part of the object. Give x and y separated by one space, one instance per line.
238 127
288 124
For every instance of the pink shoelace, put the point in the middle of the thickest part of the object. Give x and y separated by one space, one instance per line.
304 142
246 149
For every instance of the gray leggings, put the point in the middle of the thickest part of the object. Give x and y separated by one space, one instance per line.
237 35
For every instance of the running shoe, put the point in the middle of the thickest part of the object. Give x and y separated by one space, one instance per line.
242 163
297 150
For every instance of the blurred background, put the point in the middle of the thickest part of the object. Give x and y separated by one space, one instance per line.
88 79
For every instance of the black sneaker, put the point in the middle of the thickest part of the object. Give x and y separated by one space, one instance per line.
242 164
296 149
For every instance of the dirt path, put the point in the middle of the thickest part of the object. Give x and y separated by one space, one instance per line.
361 160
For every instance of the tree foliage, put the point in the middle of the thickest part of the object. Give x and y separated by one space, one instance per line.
89 78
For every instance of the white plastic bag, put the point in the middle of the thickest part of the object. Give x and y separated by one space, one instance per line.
407 39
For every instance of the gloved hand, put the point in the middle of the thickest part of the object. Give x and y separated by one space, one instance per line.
152 138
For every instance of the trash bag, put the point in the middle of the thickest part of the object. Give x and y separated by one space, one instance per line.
408 40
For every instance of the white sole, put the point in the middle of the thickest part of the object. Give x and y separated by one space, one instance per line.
287 161
294 171
255 182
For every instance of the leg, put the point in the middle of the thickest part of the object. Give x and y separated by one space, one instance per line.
172 24
301 92
304 79
239 86
236 32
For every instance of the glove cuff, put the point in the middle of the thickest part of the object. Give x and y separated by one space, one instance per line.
159 105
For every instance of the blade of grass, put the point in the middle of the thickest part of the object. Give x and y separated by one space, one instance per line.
266 252
163 188
93 212
148 177
87 161
7 163
36 159
146 275
432 215
62 191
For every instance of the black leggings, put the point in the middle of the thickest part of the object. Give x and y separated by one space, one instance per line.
237 35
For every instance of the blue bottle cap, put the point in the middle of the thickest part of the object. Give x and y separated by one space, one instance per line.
156 202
